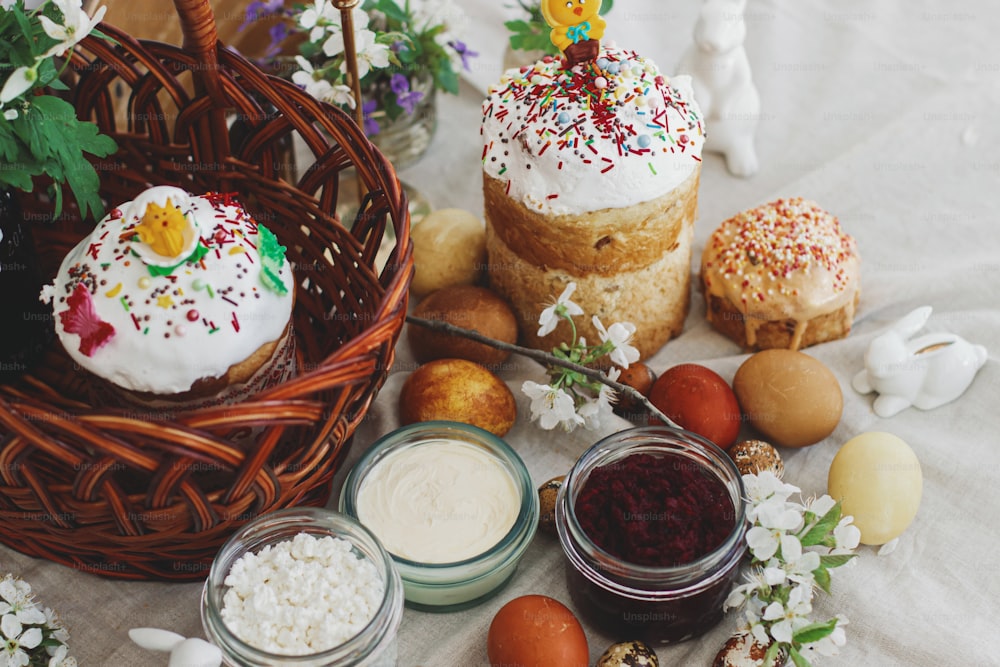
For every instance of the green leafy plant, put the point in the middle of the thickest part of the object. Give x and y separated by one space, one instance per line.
532 33
40 133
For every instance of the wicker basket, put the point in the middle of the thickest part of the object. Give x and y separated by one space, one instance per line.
154 495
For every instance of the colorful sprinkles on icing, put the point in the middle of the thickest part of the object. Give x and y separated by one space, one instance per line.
594 116
761 252
176 304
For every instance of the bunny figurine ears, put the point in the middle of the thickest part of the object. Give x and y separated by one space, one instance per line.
924 372
192 652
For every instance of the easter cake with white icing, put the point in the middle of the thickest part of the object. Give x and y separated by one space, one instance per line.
179 298
590 175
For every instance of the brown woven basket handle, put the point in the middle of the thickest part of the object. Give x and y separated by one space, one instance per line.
201 40
200 37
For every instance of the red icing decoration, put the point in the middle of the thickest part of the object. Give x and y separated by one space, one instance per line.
82 319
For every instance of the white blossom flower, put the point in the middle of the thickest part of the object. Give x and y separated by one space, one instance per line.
594 411
775 519
766 485
78 24
9 114
827 646
16 640
739 595
820 506
759 633
319 87
619 335
58 657
551 406
19 81
370 52
847 536
798 564
550 316
793 615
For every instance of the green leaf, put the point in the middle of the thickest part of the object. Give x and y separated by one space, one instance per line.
446 77
66 139
798 658
814 632
772 654
391 10
822 577
822 527
518 25
831 561
606 6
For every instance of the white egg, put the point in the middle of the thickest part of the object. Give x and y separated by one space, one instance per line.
876 476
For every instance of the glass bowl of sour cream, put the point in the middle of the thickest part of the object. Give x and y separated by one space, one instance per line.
453 505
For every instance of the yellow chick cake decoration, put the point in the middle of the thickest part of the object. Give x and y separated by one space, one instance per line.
577 27
166 233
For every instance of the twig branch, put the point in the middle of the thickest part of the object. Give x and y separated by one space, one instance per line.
543 358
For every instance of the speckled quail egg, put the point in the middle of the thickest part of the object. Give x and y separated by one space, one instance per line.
628 654
754 456
547 494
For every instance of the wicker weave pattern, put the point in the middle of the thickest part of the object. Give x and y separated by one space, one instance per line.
136 494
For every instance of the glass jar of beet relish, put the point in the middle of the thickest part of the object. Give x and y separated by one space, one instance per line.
652 522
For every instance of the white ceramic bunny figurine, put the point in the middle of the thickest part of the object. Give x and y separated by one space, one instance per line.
723 83
925 372
191 652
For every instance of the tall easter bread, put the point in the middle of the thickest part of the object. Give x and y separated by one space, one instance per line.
590 175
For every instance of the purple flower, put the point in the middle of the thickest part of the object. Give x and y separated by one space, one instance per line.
278 33
406 99
464 51
259 9
371 125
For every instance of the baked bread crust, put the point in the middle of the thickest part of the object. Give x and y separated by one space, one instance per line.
786 333
630 264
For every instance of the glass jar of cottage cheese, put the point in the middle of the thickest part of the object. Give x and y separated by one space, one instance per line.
303 587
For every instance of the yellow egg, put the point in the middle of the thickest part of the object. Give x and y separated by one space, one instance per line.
877 479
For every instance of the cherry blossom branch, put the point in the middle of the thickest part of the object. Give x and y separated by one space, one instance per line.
543 358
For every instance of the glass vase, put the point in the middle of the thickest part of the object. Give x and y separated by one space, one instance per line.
404 139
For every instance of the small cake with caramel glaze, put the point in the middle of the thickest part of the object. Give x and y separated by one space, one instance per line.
176 300
590 176
782 275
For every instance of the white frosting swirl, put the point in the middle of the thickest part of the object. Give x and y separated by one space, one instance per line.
608 133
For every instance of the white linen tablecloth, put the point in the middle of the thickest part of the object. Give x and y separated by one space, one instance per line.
886 114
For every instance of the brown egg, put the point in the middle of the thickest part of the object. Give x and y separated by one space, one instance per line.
628 654
468 307
536 631
547 494
741 651
640 377
457 390
754 456
791 398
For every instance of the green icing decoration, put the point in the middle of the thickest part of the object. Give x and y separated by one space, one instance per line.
272 258
195 256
